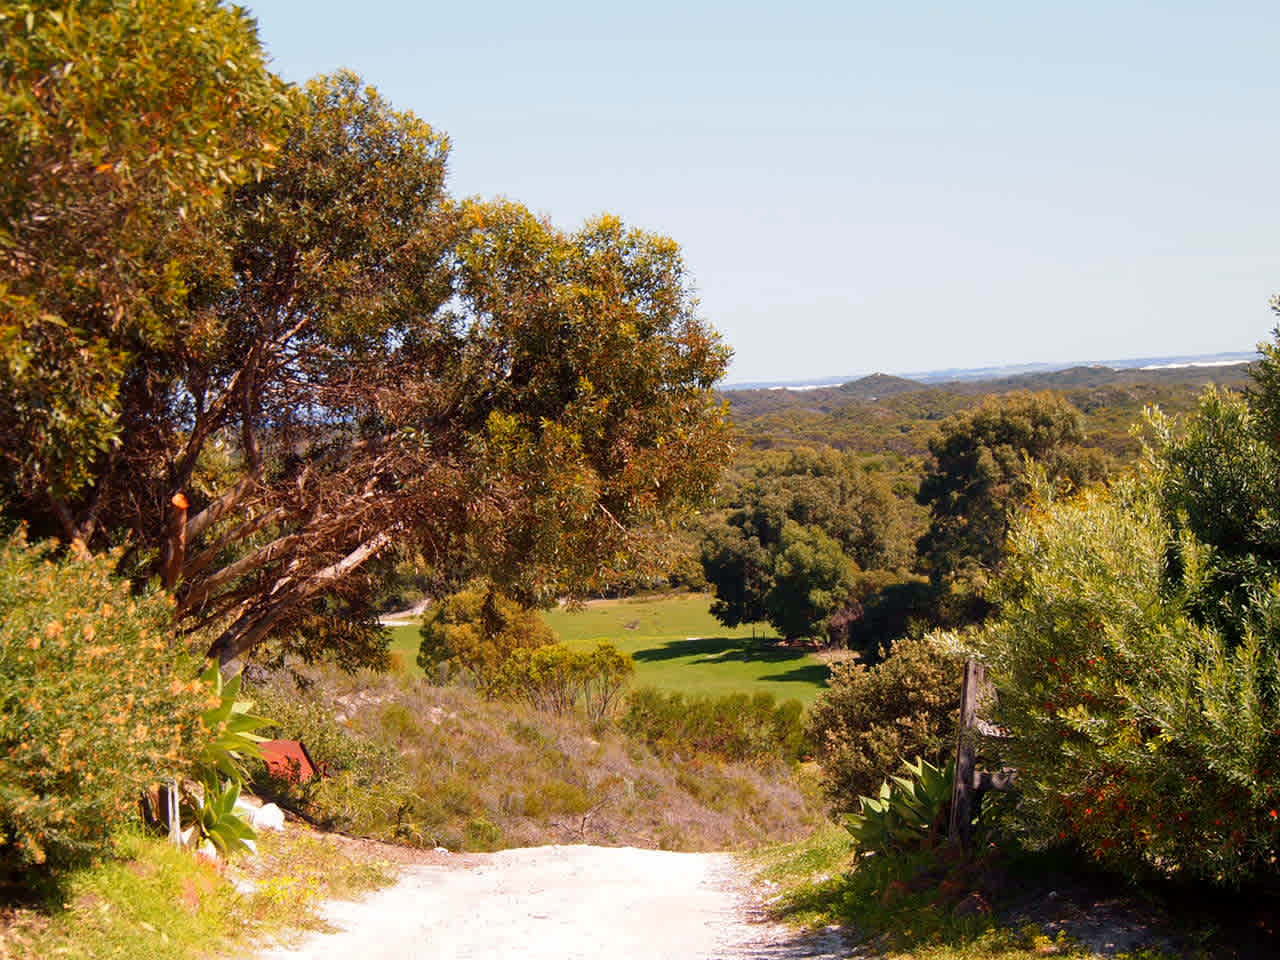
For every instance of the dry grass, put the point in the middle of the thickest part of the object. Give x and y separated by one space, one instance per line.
474 774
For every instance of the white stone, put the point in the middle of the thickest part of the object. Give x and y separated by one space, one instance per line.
270 817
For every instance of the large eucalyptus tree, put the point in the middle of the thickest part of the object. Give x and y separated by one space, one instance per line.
350 363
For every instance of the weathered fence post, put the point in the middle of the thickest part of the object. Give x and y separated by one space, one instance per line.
964 790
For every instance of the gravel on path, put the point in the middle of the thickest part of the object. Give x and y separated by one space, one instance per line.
563 903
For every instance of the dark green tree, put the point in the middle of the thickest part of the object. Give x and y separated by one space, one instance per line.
812 578
975 483
801 541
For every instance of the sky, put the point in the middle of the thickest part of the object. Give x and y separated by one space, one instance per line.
859 187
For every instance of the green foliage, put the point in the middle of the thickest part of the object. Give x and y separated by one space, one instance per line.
908 813
737 727
229 728
122 125
474 632
97 701
1140 731
792 547
216 818
556 678
346 368
229 741
1264 392
974 485
870 717
366 784
1219 481
812 578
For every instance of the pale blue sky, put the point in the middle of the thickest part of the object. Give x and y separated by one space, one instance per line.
871 186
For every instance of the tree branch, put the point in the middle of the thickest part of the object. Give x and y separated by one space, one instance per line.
253 625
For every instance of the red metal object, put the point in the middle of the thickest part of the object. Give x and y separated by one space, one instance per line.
289 760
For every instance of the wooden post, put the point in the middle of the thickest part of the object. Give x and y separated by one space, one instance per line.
964 791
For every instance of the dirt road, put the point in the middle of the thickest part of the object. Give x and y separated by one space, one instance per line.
562 903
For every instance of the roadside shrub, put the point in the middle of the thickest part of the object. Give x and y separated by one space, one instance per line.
869 718
97 701
557 679
736 727
472 633
366 782
1146 737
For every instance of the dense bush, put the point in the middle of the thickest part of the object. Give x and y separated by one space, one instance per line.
1142 733
96 702
736 727
557 679
473 632
871 718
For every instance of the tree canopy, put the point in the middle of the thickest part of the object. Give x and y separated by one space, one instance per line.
975 481
796 545
310 356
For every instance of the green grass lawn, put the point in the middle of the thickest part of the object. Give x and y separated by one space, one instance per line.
678 645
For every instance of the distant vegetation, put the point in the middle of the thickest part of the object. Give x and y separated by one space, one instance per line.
878 509
883 416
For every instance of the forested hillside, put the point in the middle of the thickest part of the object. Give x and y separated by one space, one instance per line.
879 414
863 512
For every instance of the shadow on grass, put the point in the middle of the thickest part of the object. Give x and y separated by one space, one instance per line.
720 650
815 673
815 903
702 650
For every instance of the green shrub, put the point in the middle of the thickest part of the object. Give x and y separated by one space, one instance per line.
483 834
333 745
473 632
227 743
97 701
366 789
735 727
869 718
557 679
1146 737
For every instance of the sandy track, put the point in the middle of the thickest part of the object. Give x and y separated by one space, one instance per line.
562 903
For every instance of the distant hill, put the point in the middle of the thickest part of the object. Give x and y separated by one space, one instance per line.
957 374
883 415
879 385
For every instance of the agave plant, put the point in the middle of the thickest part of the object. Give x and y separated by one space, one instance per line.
232 728
910 813
220 764
217 820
